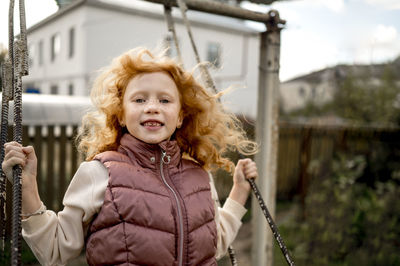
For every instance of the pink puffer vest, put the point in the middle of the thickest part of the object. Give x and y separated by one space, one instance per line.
157 209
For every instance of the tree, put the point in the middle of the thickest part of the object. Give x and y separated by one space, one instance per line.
364 95
367 100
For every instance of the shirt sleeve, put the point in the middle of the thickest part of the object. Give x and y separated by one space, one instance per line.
228 220
57 238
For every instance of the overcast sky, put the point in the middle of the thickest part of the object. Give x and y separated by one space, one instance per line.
318 33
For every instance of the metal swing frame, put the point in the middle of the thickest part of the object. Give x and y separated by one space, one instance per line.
272 24
16 66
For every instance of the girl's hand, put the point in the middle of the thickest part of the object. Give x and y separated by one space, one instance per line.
16 154
245 169
25 156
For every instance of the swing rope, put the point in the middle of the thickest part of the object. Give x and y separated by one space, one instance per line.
207 76
15 67
271 223
171 28
6 67
210 84
203 68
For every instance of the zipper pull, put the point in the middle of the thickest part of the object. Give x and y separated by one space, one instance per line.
165 158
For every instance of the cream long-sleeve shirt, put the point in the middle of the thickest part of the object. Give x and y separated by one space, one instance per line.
56 238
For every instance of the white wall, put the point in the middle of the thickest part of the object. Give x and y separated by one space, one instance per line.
63 70
101 34
292 99
120 32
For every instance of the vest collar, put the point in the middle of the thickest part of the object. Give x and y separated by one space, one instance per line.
149 155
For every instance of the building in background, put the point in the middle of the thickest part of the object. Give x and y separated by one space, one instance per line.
320 86
67 48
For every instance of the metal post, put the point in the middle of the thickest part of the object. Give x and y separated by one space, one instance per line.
267 135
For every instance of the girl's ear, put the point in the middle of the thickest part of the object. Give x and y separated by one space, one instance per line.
180 119
121 121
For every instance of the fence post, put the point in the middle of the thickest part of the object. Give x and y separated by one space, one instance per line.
37 143
62 166
305 158
50 167
267 135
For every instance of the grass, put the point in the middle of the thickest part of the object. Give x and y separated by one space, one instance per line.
27 257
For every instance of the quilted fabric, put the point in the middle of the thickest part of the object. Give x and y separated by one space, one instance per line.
138 223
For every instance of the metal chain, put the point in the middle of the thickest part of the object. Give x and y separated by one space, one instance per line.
3 140
17 170
171 28
15 67
204 71
8 80
232 256
23 45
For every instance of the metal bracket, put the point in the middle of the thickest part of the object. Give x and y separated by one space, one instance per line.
274 23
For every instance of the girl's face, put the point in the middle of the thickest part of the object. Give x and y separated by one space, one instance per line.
151 107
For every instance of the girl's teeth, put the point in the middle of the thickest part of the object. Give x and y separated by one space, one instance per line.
152 124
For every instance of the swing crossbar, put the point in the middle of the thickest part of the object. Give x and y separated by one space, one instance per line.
218 8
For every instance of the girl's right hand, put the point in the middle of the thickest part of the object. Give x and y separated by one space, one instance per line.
16 154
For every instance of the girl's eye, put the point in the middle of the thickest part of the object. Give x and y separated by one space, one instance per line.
164 101
139 100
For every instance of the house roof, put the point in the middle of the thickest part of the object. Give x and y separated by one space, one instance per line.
342 71
146 9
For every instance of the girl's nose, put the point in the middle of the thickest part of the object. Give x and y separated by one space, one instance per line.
152 106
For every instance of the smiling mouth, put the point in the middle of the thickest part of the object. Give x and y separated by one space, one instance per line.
152 124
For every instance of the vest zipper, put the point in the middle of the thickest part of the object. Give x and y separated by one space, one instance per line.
165 159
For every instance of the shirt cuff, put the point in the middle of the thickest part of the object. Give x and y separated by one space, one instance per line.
33 223
235 208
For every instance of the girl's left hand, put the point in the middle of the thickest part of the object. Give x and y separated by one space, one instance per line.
245 169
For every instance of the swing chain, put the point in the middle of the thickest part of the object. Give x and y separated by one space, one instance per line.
203 68
6 72
171 28
271 223
15 66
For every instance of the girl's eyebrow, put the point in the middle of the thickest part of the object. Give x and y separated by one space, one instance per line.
137 92
165 94
145 93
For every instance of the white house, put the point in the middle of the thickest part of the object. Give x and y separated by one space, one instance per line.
319 87
67 48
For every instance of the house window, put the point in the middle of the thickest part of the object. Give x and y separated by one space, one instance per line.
214 51
71 89
54 89
313 92
302 92
55 46
41 53
31 54
30 88
71 49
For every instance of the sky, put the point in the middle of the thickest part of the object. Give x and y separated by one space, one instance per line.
318 33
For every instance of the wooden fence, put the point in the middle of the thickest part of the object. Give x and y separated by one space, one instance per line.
302 146
58 160
299 146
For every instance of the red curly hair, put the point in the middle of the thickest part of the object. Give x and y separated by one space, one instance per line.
207 131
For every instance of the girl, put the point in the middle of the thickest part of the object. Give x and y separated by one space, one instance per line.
143 196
